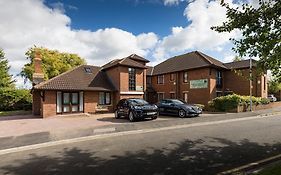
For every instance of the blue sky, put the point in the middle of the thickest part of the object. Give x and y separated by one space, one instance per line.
136 16
102 30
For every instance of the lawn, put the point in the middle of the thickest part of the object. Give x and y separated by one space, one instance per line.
274 169
18 112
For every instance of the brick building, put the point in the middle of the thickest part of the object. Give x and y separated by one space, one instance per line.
89 89
198 78
193 77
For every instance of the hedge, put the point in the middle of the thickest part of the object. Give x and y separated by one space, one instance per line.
15 99
229 102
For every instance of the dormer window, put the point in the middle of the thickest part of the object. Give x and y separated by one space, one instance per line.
88 70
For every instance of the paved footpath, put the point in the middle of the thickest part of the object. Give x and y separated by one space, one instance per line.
26 130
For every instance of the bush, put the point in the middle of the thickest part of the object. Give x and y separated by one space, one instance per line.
15 99
229 102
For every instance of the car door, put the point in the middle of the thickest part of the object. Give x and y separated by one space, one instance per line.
126 107
170 107
162 107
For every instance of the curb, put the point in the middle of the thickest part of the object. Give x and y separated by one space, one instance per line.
252 166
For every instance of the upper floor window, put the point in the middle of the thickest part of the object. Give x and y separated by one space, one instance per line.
172 77
160 79
132 79
185 77
219 79
148 80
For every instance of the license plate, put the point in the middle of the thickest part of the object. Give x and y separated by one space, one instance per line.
151 113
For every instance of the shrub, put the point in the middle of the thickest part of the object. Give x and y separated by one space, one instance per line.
15 99
229 102
200 106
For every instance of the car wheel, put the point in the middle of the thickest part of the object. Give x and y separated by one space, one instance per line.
131 117
117 116
181 113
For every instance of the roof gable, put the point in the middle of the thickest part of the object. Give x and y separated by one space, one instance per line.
127 61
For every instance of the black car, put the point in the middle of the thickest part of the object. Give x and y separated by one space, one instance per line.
135 108
178 107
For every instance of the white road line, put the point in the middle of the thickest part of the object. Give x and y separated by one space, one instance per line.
102 136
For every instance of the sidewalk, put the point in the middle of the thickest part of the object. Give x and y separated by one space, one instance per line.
26 130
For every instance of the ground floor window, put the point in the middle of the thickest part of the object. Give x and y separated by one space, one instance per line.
172 95
104 98
185 97
160 96
68 102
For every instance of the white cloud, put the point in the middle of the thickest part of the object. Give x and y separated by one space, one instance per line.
202 14
172 2
30 22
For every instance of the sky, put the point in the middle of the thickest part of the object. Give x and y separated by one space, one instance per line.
102 30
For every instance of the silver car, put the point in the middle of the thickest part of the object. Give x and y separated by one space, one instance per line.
271 98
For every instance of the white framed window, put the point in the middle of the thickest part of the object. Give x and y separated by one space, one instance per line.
185 77
104 98
160 79
185 97
59 102
160 95
81 103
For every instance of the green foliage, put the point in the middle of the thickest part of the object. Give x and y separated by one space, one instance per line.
53 62
229 102
260 28
274 86
5 78
15 99
237 58
200 106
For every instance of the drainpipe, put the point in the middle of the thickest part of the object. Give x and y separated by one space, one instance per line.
251 82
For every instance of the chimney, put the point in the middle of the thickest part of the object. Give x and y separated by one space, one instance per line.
38 75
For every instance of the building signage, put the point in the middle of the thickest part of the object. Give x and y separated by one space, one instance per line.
139 88
199 84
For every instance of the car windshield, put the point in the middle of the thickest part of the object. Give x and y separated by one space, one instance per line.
138 102
178 102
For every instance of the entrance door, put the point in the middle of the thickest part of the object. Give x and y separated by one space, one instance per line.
70 102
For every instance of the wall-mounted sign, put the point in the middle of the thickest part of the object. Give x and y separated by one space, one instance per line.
139 88
199 84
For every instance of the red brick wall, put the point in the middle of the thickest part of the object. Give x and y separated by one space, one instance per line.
239 83
201 96
36 103
49 104
91 100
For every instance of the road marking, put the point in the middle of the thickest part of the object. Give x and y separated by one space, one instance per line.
115 134
251 165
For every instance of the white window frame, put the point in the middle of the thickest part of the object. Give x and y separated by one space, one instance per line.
158 93
158 79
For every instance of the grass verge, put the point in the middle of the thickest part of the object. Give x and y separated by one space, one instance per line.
18 112
273 169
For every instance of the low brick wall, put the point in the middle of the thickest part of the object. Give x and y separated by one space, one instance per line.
256 107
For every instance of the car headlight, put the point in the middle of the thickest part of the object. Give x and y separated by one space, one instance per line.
155 107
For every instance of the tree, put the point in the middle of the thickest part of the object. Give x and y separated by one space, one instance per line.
274 86
261 31
53 62
237 58
5 78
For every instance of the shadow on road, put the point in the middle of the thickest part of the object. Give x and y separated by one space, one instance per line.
188 157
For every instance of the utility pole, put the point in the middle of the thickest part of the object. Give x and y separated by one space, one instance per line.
251 82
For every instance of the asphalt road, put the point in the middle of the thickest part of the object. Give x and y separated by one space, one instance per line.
193 150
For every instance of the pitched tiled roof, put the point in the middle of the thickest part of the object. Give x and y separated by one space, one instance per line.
94 79
240 64
127 61
187 61
138 58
